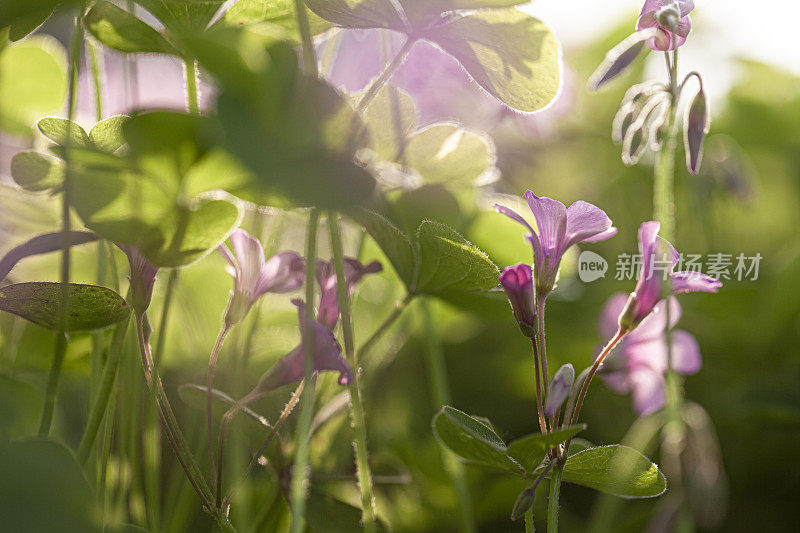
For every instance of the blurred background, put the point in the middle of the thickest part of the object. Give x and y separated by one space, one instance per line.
745 200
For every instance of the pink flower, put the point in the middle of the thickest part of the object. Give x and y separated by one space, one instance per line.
658 259
517 281
638 364
254 276
558 229
327 355
328 311
670 18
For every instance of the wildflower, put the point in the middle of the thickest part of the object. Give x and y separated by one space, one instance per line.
558 229
142 278
253 276
650 287
638 364
517 281
671 20
354 270
560 388
327 355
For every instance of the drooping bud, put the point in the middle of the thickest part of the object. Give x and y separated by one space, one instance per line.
659 126
669 16
696 124
623 121
517 282
619 58
560 388
636 137
523 503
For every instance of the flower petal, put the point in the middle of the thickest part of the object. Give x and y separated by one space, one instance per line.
649 392
283 272
685 353
249 256
551 221
654 325
513 215
608 323
693 282
585 221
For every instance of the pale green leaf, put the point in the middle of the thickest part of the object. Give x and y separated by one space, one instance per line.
107 135
37 172
63 132
449 154
616 470
123 31
279 12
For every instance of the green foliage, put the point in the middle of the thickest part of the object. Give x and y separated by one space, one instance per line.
530 451
123 31
63 132
394 243
19 406
90 307
448 154
183 16
106 135
33 82
325 513
37 172
278 12
616 470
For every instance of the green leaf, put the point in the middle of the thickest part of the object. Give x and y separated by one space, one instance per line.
394 243
449 154
616 470
24 26
22 11
326 514
358 13
530 450
33 82
472 440
44 489
507 52
278 12
449 262
390 103
19 407
123 31
182 16
91 307
421 12
37 172
63 132
106 135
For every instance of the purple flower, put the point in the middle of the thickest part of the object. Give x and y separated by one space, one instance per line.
637 365
655 271
327 356
560 388
253 276
671 20
517 281
328 311
142 278
559 228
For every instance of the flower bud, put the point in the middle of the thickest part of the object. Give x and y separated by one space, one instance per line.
619 58
669 17
523 503
696 124
517 281
560 388
623 121
659 126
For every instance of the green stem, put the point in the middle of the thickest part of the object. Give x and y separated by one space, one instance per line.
440 393
540 337
107 382
356 406
537 377
300 474
385 75
61 340
96 78
388 322
529 527
192 100
552 505
212 364
309 55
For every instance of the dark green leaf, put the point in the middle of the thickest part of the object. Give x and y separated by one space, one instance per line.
394 243
120 30
63 132
37 172
106 135
91 307
43 489
507 52
472 440
26 25
326 514
530 450
20 404
448 262
22 11
616 470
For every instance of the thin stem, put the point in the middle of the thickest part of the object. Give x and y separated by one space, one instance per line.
385 75
592 371
192 99
537 377
552 506
540 336
440 392
309 54
61 340
300 474
388 322
96 78
212 364
357 415
107 383
529 527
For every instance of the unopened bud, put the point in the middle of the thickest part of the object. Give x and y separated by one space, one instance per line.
619 58
560 388
669 17
523 503
517 282
696 124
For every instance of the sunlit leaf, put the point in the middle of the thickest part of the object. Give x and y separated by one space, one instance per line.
394 243
278 12
451 263
37 172
63 132
391 118
530 450
181 16
616 470
358 13
107 135
90 307
123 31
449 154
472 440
